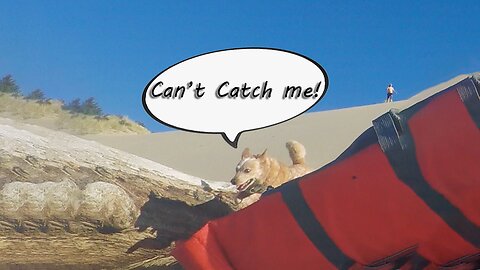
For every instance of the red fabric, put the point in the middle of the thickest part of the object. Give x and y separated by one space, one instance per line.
367 212
262 236
201 251
370 214
448 152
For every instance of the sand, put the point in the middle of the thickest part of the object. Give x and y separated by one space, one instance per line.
325 135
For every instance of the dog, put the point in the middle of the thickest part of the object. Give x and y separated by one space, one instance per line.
256 173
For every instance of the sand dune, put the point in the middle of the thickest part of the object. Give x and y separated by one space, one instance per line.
325 135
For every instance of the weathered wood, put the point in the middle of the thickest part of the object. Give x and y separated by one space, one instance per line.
69 203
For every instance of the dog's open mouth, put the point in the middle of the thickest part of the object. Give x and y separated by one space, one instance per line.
245 185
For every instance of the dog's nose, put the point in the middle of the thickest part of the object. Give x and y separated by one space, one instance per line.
233 181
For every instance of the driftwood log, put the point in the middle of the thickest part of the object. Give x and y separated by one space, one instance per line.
68 203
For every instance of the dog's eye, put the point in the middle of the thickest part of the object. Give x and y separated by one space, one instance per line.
246 170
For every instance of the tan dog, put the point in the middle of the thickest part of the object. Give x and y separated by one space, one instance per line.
254 173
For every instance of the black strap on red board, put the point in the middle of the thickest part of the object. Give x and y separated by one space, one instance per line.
418 262
396 141
468 92
293 198
400 152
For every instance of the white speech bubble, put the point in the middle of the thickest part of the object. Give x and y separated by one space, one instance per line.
240 90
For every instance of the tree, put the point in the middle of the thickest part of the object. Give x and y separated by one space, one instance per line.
141 124
90 107
8 85
74 106
36 95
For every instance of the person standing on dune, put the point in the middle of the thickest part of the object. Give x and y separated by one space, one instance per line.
390 91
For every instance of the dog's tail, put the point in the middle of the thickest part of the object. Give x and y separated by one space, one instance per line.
297 152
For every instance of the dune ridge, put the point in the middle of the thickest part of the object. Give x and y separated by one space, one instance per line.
325 135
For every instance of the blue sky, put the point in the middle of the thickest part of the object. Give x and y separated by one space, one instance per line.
111 49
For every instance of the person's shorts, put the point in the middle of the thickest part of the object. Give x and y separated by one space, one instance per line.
389 95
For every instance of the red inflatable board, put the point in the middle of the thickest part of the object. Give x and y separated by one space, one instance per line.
404 195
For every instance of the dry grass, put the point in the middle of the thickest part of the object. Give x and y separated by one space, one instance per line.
51 115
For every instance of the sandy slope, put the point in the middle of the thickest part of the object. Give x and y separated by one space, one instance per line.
325 135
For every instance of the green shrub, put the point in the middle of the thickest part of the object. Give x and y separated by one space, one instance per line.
8 85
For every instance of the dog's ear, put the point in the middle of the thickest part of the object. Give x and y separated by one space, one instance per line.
262 155
246 153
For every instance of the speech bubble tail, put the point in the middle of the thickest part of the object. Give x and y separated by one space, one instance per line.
231 138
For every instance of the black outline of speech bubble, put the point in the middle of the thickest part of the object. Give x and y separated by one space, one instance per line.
233 144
